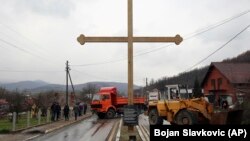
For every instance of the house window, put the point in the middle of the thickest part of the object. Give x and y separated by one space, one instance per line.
219 82
213 84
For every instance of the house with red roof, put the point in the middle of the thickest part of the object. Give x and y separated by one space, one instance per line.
227 82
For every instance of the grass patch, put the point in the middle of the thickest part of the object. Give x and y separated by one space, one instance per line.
4 131
6 123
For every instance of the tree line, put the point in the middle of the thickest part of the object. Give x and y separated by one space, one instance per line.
21 101
194 76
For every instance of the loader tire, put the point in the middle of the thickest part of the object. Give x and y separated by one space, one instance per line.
154 118
110 114
185 117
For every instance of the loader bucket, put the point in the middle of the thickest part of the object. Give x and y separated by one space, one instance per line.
227 117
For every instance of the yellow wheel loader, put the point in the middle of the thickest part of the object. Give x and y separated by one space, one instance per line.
179 109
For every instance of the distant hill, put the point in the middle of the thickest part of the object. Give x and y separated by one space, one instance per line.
188 78
122 87
41 86
22 85
49 87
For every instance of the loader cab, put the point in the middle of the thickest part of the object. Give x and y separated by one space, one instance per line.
173 92
154 95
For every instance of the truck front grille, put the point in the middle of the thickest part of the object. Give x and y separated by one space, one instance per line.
96 106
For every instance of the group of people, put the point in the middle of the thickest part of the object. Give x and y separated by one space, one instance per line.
56 111
78 109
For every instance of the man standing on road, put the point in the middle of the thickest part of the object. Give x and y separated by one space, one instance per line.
58 111
53 111
66 112
85 108
76 111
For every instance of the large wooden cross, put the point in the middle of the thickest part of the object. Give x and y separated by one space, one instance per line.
129 39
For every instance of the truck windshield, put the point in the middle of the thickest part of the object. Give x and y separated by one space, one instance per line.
96 97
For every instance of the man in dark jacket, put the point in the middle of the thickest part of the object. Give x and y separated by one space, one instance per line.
76 110
58 111
85 108
53 111
66 112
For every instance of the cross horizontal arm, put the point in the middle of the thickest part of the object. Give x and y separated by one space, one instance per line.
177 39
82 39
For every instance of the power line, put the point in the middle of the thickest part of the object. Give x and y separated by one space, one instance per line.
39 48
25 51
97 77
29 71
20 49
218 48
187 37
99 63
203 30
90 75
210 27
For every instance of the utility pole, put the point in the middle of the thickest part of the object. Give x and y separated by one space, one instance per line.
72 87
67 76
146 89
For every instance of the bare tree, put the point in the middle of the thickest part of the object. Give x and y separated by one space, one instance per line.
90 89
44 100
16 103
3 93
197 88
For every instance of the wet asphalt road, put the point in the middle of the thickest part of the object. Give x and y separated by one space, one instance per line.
143 120
91 129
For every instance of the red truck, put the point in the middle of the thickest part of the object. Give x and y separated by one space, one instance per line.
106 103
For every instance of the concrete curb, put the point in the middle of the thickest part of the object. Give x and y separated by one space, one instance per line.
23 129
117 138
112 134
71 123
58 127
30 138
143 133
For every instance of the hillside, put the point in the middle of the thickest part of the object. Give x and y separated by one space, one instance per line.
188 78
22 85
41 86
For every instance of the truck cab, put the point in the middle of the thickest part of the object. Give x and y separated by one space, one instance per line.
103 102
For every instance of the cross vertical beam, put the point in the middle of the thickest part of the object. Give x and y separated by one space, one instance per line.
130 52
130 57
130 39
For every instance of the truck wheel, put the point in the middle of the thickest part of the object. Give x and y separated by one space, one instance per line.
185 117
101 115
154 118
110 113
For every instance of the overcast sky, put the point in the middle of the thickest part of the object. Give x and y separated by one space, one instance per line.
38 36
